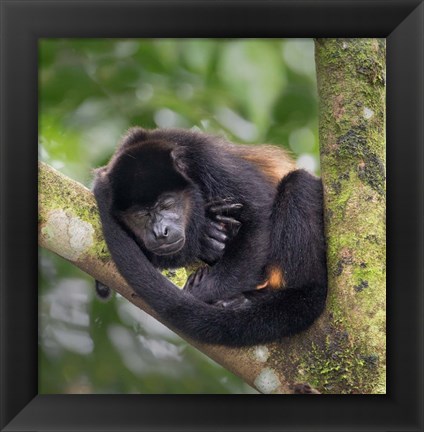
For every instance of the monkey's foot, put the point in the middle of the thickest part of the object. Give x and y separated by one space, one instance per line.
103 292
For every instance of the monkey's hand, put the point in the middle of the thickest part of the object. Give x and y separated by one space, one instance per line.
201 284
197 283
221 227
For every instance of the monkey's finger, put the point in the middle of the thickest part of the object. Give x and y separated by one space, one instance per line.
228 220
213 227
217 234
220 201
228 208
232 225
218 226
200 275
189 282
216 245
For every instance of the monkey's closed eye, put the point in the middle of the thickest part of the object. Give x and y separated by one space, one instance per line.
168 204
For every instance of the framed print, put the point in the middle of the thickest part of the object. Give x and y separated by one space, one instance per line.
38 36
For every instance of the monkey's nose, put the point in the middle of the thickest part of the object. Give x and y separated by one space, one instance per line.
160 231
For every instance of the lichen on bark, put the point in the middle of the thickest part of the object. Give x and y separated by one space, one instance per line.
65 209
351 87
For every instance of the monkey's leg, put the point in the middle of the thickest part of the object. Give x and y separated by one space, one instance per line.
297 243
297 253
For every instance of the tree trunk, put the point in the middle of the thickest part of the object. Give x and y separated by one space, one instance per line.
351 88
344 351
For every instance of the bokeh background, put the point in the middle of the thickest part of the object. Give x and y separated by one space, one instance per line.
90 91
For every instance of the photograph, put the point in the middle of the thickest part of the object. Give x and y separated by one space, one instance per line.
212 216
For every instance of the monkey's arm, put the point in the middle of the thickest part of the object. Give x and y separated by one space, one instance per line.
128 257
240 267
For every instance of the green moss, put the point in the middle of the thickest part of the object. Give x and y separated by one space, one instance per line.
100 250
338 366
178 276
370 168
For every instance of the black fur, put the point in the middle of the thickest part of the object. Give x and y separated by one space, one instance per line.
280 227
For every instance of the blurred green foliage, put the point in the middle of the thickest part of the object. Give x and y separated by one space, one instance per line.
90 92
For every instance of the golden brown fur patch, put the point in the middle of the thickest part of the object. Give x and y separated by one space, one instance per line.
274 162
274 280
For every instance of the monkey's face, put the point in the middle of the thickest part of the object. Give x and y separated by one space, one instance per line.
161 225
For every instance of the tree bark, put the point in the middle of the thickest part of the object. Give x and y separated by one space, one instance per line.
344 351
351 89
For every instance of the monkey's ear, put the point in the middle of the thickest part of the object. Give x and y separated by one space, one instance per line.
101 186
100 175
134 135
100 172
178 159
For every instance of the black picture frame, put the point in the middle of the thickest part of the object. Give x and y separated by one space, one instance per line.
22 23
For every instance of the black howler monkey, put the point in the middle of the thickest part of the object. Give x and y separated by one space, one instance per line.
169 197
